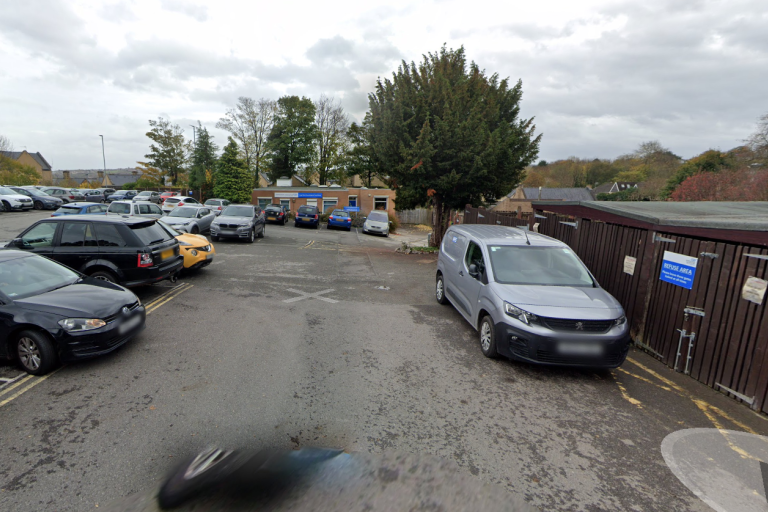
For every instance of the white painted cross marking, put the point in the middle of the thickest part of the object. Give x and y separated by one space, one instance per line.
305 295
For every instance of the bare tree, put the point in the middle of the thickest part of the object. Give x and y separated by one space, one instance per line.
5 143
250 122
332 124
235 121
758 141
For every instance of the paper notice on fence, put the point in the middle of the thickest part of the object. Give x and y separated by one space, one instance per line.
629 265
536 227
754 290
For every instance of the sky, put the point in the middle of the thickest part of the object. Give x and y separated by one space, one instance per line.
599 76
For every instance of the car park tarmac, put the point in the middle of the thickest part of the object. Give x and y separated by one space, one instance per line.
330 338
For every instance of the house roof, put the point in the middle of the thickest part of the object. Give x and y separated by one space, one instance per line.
558 194
304 189
603 189
120 179
15 155
265 177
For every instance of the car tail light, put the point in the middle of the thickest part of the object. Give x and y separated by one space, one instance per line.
71 197
179 204
145 260
330 218
219 207
349 219
315 216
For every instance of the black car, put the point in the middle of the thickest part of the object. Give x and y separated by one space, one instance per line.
51 314
276 213
42 201
126 250
307 215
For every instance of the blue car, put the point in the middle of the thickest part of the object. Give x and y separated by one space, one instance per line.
340 219
122 195
307 216
81 209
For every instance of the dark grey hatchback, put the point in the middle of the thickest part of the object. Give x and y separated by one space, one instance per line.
125 250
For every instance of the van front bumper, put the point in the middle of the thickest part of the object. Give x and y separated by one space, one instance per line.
557 349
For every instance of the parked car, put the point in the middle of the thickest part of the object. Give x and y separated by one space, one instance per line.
172 202
148 195
242 221
216 205
276 213
340 219
190 219
40 200
122 195
50 313
92 195
106 192
166 195
137 209
129 251
81 209
307 216
13 200
198 252
66 195
530 297
377 222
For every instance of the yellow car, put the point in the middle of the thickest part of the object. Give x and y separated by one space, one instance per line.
198 252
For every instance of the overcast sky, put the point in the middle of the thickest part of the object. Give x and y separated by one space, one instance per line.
599 76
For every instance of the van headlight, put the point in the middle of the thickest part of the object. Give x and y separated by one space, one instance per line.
81 324
520 314
621 320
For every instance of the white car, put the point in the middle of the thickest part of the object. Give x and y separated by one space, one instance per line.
377 222
135 209
172 202
12 200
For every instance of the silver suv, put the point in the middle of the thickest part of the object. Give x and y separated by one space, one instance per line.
530 297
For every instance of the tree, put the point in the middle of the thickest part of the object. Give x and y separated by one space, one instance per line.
758 141
332 142
744 184
203 159
168 150
233 181
293 135
450 134
14 173
361 158
152 177
5 143
709 161
250 123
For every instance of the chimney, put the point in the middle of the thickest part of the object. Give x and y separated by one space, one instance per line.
135 173
65 174
101 174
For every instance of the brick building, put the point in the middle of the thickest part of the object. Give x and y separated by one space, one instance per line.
327 198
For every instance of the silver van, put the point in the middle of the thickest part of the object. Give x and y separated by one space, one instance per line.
530 297
135 209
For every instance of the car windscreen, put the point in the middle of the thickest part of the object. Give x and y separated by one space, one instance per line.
275 209
173 200
34 192
212 202
123 192
8 192
68 210
238 211
150 234
32 275
545 266
378 217
307 209
187 213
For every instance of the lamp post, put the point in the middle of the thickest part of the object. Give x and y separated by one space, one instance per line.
194 138
103 155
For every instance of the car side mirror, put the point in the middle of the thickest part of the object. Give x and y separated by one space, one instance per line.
16 242
473 270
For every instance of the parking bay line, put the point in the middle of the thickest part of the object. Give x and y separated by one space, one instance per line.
165 294
156 305
35 382
10 386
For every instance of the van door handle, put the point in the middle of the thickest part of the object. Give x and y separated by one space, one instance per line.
461 273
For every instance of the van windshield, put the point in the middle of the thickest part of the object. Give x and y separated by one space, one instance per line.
545 266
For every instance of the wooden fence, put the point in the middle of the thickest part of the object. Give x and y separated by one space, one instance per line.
415 216
730 348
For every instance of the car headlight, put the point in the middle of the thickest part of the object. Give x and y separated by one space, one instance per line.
520 314
621 320
81 324
246 225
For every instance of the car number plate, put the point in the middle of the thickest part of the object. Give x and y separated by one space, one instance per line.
166 254
580 349
129 324
209 256
271 218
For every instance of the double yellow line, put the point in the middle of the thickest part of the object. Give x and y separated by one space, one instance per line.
167 297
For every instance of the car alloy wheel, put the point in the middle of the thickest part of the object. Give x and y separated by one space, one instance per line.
29 353
485 336
38 205
252 235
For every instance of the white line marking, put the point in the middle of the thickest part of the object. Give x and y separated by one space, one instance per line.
9 382
305 295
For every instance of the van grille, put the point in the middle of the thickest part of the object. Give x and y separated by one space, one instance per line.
567 325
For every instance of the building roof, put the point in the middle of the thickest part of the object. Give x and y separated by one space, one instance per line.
15 155
303 189
558 194
725 215
120 179
603 189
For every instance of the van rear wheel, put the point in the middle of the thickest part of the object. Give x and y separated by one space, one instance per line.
488 338
440 289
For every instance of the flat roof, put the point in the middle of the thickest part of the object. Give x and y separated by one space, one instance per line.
301 189
733 215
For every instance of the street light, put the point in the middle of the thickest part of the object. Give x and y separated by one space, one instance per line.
103 156
194 139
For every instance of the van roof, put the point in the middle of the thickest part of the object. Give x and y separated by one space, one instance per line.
503 235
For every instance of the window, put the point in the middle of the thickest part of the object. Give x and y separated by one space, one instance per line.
150 234
90 236
286 203
329 204
352 200
312 202
453 245
97 209
73 234
264 201
475 256
40 235
119 208
154 209
542 266
144 209
108 236
380 203
203 212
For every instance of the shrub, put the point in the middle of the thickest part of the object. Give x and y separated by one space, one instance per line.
394 223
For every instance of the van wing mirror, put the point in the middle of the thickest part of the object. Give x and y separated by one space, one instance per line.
473 270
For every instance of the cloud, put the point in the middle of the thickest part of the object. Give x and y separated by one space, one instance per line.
193 10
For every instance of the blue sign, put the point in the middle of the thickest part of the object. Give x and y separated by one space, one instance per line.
310 195
351 208
678 269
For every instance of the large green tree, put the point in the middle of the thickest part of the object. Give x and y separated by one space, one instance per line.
447 132
168 150
203 161
709 161
292 138
233 181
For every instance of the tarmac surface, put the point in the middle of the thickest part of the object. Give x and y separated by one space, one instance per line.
329 338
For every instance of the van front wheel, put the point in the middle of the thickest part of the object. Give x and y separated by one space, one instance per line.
488 338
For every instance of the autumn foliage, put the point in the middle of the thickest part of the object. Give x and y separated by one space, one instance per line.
743 184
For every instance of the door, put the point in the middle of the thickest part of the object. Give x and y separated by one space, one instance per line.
77 245
204 219
112 246
468 285
454 248
155 211
39 239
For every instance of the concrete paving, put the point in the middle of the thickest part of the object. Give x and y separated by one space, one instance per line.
236 360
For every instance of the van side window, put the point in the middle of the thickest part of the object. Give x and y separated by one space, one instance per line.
475 256
453 245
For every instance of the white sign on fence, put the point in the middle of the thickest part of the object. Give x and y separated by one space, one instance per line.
754 290
629 265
